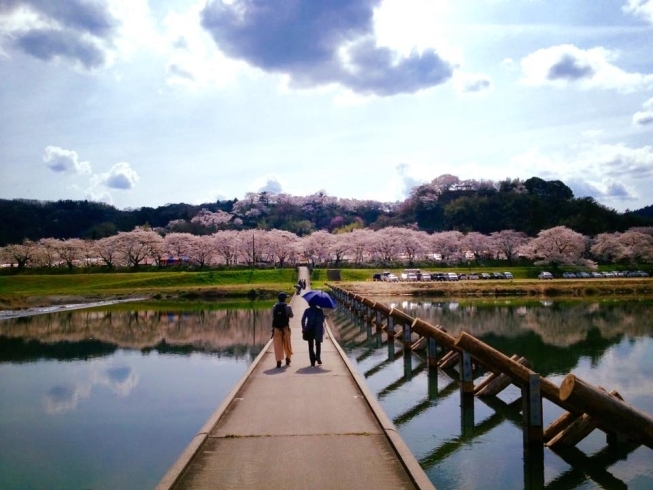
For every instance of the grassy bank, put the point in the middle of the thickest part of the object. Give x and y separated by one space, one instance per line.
23 291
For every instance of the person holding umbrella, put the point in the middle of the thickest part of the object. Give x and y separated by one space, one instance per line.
313 331
313 322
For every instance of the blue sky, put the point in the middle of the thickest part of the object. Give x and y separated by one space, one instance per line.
140 103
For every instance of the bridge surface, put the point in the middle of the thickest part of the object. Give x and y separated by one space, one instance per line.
298 427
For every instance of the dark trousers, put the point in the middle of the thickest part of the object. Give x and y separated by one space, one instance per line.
314 351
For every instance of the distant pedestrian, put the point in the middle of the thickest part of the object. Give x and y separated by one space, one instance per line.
281 315
313 332
303 283
298 287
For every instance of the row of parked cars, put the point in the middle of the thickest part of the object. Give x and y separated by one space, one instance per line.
595 274
412 275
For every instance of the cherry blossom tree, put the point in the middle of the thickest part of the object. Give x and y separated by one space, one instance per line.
557 246
71 251
210 219
281 245
109 250
386 244
201 250
478 244
138 245
20 253
46 252
316 246
226 245
507 242
177 245
607 247
448 244
638 246
360 244
340 247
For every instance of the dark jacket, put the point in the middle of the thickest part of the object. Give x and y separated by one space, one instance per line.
313 321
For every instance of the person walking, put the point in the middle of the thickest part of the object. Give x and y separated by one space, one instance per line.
313 332
281 315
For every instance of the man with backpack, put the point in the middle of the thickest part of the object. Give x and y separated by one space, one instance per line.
281 315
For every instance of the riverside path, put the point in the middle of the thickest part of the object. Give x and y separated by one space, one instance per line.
298 427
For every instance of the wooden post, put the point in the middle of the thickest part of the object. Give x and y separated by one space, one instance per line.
406 336
379 320
432 352
466 374
408 365
609 410
532 410
489 356
391 338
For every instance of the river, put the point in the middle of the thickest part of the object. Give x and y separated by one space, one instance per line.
108 397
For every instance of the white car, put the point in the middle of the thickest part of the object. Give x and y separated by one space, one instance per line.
545 275
391 278
508 275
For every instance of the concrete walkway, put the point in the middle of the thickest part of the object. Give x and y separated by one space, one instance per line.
298 427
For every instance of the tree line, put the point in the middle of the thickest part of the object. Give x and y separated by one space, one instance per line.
388 247
447 203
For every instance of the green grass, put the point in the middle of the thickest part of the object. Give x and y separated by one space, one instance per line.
22 290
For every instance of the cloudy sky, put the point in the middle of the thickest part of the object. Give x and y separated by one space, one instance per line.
139 103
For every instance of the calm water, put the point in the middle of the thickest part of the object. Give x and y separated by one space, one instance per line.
605 343
108 398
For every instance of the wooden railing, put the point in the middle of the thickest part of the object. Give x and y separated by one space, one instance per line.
586 407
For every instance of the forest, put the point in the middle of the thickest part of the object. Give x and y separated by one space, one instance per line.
445 204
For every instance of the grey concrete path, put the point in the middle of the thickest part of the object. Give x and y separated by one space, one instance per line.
298 427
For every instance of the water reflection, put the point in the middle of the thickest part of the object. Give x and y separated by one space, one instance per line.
86 334
475 445
109 398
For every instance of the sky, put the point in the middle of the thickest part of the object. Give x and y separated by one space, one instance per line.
138 103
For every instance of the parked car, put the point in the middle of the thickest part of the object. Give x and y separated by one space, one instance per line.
545 275
391 278
438 276
452 276
583 275
485 275
498 275
569 275
508 275
474 275
377 277
596 275
642 274
425 276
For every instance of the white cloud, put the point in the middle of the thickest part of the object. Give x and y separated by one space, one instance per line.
565 65
640 8
193 58
121 176
645 117
77 32
607 172
65 161
268 183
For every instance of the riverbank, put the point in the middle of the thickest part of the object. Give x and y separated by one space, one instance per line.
28 293
501 288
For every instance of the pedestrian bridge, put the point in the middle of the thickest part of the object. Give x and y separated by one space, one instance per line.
298 427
